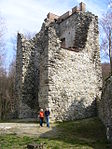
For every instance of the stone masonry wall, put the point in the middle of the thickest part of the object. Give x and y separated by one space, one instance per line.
105 107
26 79
42 44
67 80
18 85
74 77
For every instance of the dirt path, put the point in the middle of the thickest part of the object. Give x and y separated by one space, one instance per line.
27 129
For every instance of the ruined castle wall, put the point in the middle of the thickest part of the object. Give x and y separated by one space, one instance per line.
67 31
105 107
26 79
71 94
43 80
67 80
75 29
68 34
42 45
19 64
73 76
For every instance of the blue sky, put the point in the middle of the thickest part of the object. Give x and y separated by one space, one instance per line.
27 15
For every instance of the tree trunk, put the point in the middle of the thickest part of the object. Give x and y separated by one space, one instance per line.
110 52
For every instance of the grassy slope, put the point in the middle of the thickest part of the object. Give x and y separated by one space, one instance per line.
81 134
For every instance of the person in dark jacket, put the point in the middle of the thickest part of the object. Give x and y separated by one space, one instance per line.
47 114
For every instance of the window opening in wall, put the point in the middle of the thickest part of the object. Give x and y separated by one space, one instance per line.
63 42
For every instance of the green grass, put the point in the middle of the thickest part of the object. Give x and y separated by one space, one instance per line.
81 134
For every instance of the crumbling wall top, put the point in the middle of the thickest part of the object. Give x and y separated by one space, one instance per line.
82 8
52 17
65 16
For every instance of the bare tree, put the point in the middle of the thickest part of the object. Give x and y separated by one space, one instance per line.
106 37
2 43
11 81
3 74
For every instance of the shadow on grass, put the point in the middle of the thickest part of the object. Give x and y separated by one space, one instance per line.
87 133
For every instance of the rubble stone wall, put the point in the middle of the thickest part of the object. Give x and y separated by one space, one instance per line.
26 79
74 77
67 80
105 107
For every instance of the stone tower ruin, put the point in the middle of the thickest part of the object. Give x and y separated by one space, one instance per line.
60 67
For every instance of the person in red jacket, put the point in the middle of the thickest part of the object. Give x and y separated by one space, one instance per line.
41 117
